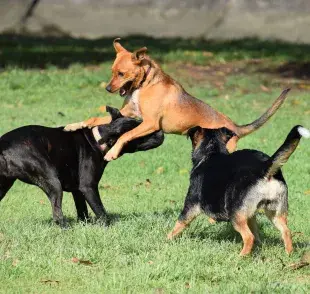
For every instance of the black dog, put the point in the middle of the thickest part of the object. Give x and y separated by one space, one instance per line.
58 161
231 187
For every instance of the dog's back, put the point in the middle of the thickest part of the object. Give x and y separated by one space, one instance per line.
225 178
28 142
35 137
32 150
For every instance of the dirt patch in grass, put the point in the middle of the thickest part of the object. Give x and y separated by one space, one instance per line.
292 70
266 72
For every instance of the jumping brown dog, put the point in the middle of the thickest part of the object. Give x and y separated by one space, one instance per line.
162 103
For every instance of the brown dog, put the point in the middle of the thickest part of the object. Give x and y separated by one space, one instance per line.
162 103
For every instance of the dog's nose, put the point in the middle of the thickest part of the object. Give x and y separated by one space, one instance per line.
108 88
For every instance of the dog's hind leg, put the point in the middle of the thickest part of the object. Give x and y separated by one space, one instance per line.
80 205
280 222
53 190
240 224
5 186
254 229
188 214
5 182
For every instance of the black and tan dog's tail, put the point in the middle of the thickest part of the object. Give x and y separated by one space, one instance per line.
253 126
282 155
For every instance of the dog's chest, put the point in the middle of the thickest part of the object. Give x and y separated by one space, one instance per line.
134 100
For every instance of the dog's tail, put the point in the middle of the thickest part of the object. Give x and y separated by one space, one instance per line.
253 126
277 160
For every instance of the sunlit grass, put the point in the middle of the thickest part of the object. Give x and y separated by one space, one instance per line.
133 255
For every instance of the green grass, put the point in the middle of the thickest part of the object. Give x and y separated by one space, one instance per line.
133 255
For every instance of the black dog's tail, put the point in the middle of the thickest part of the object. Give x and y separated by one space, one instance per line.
253 126
282 155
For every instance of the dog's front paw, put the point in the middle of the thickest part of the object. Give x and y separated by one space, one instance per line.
73 127
63 224
211 220
111 155
170 236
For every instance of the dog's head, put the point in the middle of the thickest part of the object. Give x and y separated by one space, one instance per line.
127 69
120 125
205 141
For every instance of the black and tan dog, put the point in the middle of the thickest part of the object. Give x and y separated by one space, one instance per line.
232 187
57 161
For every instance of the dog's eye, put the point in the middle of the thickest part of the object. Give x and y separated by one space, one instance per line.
120 74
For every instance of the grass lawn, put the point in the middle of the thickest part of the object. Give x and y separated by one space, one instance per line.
56 82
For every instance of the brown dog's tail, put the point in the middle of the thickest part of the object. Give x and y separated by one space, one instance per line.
277 160
253 126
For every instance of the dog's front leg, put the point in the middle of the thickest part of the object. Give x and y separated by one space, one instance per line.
142 130
190 211
96 121
89 123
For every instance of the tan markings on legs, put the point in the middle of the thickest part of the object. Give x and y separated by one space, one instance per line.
211 220
232 144
178 228
240 223
182 224
254 229
280 222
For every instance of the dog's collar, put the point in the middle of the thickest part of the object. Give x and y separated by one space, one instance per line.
98 139
89 136
145 75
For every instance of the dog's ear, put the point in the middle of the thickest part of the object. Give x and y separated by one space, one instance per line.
192 131
114 112
117 46
196 134
138 55
226 134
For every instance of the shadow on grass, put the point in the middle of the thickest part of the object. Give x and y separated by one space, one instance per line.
113 218
214 231
38 52
226 232
167 214
70 221
290 69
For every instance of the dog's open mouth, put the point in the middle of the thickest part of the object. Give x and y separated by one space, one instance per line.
124 90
